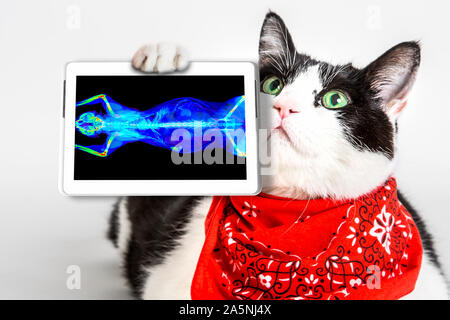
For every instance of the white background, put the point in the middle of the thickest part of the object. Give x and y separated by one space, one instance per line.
43 232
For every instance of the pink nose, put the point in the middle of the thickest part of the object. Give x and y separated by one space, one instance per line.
285 109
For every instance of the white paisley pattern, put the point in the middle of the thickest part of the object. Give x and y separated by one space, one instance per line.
382 228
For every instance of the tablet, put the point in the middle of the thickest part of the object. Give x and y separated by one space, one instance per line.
184 133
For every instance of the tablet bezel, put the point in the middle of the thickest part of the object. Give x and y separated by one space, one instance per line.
70 186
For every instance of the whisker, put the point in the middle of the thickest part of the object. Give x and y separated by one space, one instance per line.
298 219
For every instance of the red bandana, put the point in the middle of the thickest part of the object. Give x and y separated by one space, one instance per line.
265 247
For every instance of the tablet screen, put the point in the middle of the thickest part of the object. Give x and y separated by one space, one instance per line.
142 127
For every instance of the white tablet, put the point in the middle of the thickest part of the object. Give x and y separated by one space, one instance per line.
183 133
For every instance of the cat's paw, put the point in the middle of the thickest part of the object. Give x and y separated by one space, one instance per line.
161 57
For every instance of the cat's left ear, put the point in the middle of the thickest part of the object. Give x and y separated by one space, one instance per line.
392 75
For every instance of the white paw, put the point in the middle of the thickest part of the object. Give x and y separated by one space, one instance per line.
161 57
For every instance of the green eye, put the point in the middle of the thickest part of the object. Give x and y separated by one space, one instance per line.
334 99
273 85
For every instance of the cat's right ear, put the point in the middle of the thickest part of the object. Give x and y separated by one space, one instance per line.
275 41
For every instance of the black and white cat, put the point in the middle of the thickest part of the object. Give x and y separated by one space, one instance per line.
316 153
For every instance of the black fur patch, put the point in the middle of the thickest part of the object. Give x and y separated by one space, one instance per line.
365 123
157 223
112 233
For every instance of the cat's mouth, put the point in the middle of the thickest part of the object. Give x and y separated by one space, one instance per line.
282 133
290 140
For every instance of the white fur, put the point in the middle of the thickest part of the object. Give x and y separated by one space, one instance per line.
172 279
162 57
431 284
124 234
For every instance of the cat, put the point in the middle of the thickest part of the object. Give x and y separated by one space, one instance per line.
317 152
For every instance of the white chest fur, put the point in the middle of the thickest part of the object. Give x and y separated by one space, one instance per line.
172 279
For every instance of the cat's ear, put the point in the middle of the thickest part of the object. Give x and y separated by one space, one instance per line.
392 75
275 40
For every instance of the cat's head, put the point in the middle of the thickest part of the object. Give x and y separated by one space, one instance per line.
332 127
